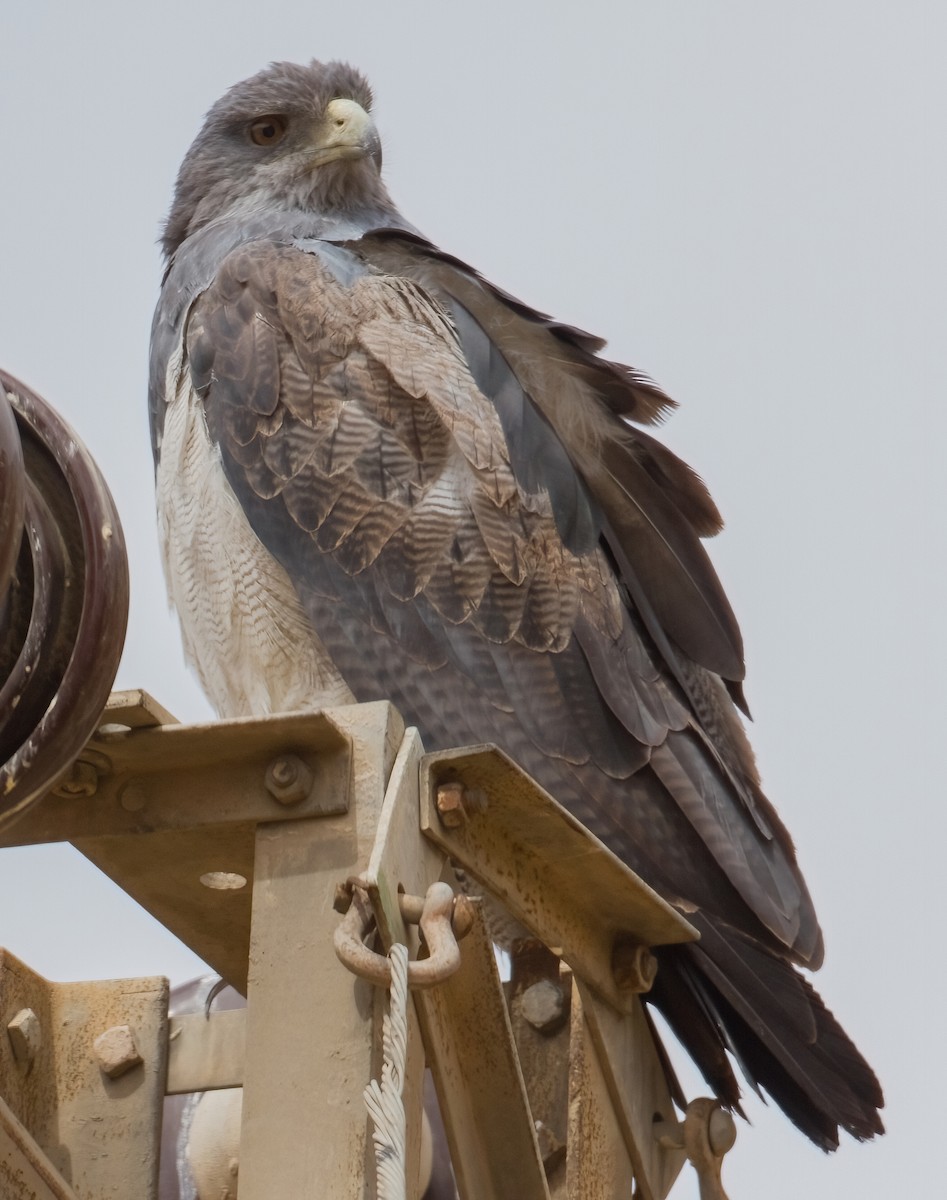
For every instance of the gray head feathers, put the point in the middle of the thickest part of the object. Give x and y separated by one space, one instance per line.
239 166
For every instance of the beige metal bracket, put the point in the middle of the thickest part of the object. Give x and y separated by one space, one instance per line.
173 813
539 861
93 1119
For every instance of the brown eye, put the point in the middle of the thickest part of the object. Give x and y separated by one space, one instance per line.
268 131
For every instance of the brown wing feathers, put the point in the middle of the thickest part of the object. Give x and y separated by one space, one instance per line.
654 507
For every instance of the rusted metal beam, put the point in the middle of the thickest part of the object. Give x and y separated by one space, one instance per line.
174 777
598 1163
480 1088
82 1067
554 876
633 1075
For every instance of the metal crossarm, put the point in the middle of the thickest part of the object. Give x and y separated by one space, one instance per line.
246 839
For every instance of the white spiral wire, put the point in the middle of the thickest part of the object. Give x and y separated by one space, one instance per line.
385 1100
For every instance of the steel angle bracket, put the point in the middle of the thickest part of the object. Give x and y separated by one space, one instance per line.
580 900
554 876
82 1072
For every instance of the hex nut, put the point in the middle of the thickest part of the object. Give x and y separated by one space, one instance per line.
342 900
288 779
82 780
455 802
25 1034
461 921
449 799
543 1005
116 1051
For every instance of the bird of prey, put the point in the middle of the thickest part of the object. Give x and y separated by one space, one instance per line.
380 476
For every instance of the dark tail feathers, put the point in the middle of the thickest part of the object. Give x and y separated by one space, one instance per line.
728 993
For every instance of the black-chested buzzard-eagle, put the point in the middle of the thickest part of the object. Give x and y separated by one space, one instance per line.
379 476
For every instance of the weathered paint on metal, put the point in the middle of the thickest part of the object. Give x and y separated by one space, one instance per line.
597 1163
312 1027
562 883
175 804
206 1051
480 1087
635 1080
101 1134
172 805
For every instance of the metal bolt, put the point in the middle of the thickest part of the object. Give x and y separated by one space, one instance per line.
456 802
25 1034
543 1005
288 779
116 1051
83 776
463 917
82 780
450 804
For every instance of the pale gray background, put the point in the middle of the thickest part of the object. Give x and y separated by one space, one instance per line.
748 200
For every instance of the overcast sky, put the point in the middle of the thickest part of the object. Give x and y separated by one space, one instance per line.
748 200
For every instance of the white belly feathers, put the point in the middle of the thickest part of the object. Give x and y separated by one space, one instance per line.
244 630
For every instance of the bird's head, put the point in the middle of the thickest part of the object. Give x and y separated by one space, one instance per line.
292 137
